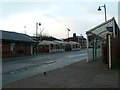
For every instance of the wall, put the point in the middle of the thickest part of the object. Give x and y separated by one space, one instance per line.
115 50
20 49
43 49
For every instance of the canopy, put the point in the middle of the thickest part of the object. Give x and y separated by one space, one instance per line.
103 29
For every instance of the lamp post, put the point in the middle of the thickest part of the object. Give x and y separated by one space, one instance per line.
37 24
68 31
99 9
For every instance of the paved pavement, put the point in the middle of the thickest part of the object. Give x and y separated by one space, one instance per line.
78 75
24 67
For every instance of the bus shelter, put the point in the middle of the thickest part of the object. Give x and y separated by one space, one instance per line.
99 36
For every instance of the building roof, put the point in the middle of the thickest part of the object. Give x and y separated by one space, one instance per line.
47 38
14 36
80 37
101 30
44 42
60 42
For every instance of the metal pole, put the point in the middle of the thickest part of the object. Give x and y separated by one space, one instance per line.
96 48
87 50
68 33
109 45
36 29
105 12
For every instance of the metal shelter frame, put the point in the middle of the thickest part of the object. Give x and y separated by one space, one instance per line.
98 35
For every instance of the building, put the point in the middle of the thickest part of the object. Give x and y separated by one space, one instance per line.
79 39
104 40
51 46
16 44
57 46
44 42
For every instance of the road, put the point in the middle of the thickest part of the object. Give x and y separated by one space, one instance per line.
23 67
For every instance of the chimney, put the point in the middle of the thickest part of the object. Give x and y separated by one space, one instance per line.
74 34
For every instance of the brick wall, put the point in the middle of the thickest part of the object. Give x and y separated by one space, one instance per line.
43 49
20 49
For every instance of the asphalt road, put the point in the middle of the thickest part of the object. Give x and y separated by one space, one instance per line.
23 67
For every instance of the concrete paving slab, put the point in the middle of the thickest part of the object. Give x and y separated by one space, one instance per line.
78 75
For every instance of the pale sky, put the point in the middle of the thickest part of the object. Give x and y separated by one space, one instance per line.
55 16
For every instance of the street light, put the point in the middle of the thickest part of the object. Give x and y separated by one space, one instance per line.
99 9
37 24
68 31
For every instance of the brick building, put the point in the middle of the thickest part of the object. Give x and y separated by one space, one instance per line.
16 44
79 39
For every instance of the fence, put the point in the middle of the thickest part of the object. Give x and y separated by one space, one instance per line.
111 53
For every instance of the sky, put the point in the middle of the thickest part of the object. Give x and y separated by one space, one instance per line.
55 16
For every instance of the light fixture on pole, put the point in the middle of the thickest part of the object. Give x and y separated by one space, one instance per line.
68 31
37 24
99 9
